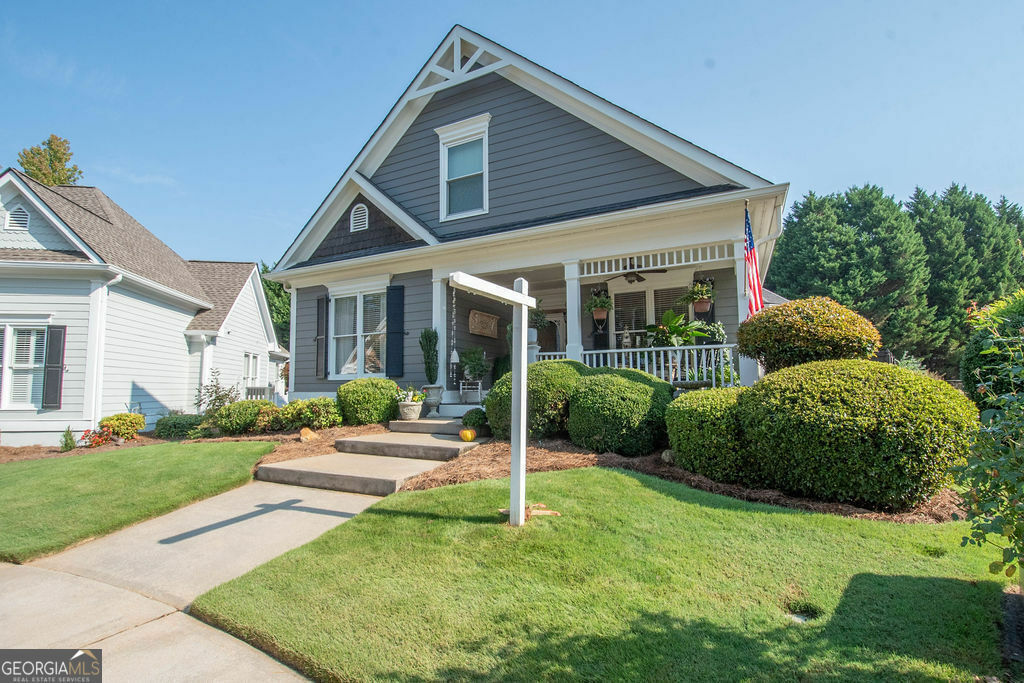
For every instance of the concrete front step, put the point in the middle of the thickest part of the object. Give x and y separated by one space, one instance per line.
456 409
433 426
406 445
372 475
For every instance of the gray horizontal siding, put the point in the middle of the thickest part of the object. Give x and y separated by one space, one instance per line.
543 161
418 315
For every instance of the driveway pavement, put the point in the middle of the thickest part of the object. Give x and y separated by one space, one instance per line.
124 593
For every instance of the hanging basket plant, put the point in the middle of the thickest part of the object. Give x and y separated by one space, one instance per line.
700 295
599 305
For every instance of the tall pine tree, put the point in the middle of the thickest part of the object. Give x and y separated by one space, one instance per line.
992 240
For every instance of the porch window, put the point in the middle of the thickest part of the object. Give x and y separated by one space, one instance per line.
358 332
630 319
24 351
464 168
665 300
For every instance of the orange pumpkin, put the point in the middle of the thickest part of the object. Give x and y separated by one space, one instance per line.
467 434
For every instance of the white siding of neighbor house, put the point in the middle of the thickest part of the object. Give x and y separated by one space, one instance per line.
68 302
146 356
40 234
242 332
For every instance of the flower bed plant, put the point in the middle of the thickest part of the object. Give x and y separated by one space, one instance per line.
124 425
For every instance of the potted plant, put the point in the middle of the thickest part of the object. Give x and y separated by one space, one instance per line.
410 404
598 305
474 367
700 296
433 390
675 330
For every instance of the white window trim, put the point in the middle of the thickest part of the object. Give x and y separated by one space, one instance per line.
460 132
351 223
8 371
341 292
7 218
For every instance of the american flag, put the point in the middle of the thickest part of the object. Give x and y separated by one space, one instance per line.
755 300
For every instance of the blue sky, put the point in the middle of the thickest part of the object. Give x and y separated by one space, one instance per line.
221 126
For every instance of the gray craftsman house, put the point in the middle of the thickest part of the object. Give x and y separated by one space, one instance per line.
493 165
98 316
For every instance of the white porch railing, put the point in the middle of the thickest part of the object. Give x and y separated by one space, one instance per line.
259 393
714 364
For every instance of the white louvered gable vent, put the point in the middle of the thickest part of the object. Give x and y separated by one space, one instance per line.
359 218
17 219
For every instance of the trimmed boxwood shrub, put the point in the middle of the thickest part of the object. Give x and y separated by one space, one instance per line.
1007 317
124 425
239 417
176 427
610 412
807 330
856 431
368 400
549 384
704 432
319 412
474 418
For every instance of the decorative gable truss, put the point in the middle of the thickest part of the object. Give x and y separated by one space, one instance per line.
444 71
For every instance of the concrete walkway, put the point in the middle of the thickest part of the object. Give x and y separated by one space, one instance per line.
123 593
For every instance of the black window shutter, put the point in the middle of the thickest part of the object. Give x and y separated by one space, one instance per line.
53 366
321 336
395 351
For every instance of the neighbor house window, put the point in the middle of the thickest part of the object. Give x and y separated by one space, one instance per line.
359 218
464 168
250 369
358 332
23 350
17 219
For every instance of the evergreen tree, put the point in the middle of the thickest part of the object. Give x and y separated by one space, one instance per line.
1012 214
992 240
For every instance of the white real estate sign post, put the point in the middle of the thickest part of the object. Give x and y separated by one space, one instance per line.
520 302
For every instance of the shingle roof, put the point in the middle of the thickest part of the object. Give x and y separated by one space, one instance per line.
11 254
770 298
222 281
115 236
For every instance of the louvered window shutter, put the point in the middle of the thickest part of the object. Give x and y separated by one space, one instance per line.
53 371
395 354
359 219
321 336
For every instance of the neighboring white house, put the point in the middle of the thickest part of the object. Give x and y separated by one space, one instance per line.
98 316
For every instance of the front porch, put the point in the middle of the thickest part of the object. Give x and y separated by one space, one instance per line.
642 287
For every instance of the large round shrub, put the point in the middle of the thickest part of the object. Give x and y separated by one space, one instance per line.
124 425
609 412
549 384
704 432
368 400
239 417
807 330
175 427
1006 318
856 431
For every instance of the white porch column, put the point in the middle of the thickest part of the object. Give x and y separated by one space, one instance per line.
573 329
750 371
291 340
439 321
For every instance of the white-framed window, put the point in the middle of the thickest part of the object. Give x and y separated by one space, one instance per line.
358 333
464 174
23 353
16 219
250 369
358 218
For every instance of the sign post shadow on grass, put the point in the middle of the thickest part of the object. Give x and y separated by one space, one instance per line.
520 302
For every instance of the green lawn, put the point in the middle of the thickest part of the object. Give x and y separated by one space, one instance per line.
47 505
639 579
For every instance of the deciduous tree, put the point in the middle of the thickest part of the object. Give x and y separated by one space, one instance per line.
50 162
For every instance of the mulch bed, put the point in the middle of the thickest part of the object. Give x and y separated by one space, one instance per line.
290 447
492 461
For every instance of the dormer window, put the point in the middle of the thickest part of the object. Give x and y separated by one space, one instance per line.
463 168
17 219
359 218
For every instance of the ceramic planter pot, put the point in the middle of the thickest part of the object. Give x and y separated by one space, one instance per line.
409 410
433 398
702 306
600 313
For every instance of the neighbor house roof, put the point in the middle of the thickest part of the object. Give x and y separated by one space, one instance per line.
223 282
115 236
770 298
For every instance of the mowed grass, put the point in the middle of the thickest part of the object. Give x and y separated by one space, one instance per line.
639 579
47 505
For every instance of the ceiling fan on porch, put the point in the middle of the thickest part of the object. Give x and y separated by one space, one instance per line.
634 276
